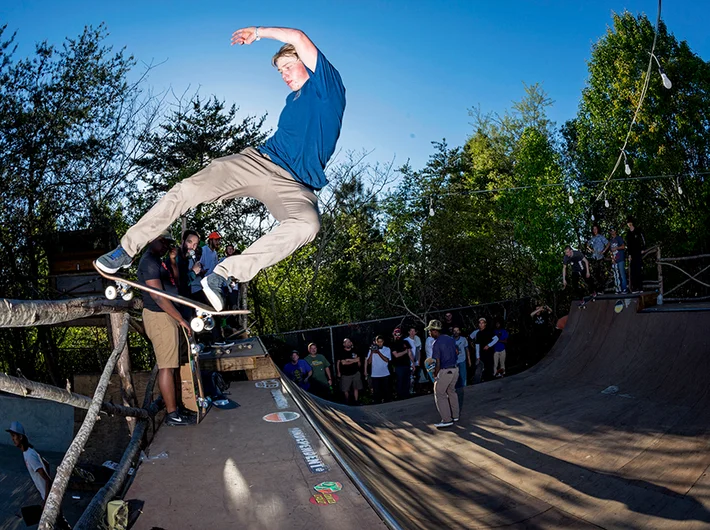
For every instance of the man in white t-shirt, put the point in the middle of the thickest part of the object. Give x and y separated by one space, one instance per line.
36 466
377 363
415 343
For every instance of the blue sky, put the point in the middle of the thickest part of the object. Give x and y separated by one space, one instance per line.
412 68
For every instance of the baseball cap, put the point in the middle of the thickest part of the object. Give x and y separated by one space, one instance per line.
214 235
17 428
433 324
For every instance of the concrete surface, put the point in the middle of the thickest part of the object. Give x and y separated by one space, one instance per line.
235 470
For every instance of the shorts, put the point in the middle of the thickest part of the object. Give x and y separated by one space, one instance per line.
163 331
354 381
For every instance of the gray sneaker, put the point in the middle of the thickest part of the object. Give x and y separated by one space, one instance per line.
215 287
114 260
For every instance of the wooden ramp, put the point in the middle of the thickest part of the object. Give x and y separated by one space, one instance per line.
610 430
236 470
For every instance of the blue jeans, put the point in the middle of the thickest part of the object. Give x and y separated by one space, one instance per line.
461 382
619 275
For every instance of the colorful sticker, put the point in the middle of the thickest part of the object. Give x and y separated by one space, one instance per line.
281 417
324 499
328 487
269 383
619 306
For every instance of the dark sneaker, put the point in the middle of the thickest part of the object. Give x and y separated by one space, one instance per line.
215 287
173 419
114 260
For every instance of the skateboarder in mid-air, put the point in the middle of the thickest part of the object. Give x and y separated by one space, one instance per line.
283 174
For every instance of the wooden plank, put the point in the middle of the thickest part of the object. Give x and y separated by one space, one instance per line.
228 364
265 369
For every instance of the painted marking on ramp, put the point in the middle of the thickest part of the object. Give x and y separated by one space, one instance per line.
312 458
280 399
618 306
328 487
281 417
324 499
269 383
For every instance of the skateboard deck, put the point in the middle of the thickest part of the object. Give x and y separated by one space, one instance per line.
204 319
430 366
586 300
192 392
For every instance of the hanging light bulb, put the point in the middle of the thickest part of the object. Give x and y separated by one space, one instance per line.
431 208
627 168
570 199
606 203
666 82
593 219
680 190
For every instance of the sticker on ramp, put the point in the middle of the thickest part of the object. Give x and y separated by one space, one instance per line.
269 383
281 417
310 455
619 306
324 499
328 487
280 399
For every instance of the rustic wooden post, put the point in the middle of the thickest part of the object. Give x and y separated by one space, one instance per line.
243 319
123 367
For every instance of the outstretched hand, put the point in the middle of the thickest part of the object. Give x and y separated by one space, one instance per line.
244 36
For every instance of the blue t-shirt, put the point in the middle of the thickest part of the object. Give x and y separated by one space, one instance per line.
298 373
502 335
445 350
309 126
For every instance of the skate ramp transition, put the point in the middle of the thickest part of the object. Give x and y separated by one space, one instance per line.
610 430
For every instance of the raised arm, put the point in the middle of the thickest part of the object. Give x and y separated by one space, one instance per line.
306 50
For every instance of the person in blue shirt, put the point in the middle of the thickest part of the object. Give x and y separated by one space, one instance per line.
446 373
283 174
499 352
298 371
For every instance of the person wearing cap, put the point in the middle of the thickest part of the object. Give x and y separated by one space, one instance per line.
402 362
210 250
37 466
298 371
162 321
446 373
284 173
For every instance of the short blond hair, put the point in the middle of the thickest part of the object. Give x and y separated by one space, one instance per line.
287 50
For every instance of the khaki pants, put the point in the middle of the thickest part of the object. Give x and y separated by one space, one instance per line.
164 333
498 359
447 402
248 174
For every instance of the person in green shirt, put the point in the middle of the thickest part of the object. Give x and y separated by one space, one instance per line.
321 380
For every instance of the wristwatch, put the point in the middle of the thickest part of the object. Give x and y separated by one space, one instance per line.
256 32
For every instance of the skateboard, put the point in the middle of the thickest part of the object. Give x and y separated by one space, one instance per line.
193 394
204 314
586 300
430 366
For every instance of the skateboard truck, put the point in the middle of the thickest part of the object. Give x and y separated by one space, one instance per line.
120 289
203 321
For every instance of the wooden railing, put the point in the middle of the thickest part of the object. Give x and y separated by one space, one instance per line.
23 313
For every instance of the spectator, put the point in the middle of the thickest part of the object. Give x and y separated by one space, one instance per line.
378 359
464 356
37 466
402 362
542 329
298 371
579 270
188 268
635 244
162 322
479 365
229 251
446 373
485 340
598 245
499 354
415 344
348 368
321 380
618 260
450 322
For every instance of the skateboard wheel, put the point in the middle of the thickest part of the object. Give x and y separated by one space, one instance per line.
197 324
127 296
111 292
209 324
